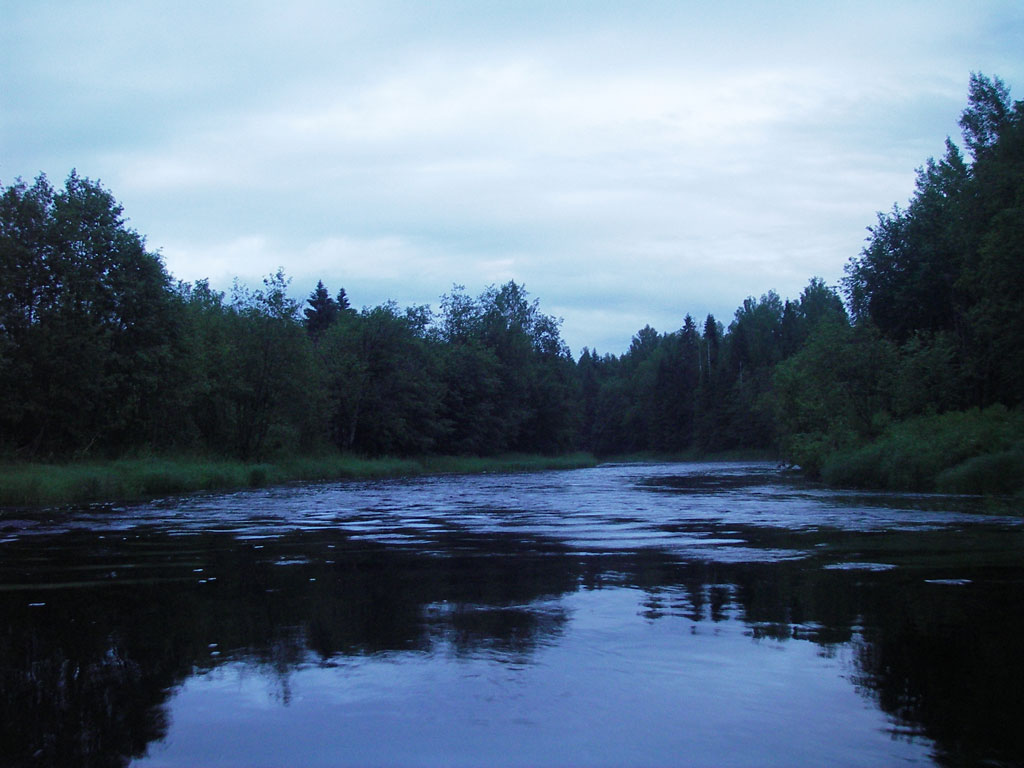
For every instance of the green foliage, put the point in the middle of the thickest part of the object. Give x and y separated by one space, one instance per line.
1001 472
99 355
33 484
321 312
950 266
988 112
254 388
382 383
509 382
937 300
964 451
833 392
929 376
87 323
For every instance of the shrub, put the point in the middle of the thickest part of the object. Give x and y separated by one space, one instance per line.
976 449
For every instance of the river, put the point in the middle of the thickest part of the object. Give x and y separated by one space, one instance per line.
634 614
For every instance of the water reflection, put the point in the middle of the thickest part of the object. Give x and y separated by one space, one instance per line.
102 635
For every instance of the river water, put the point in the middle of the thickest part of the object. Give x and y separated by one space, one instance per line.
640 614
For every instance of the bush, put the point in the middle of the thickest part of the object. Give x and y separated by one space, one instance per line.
993 473
976 451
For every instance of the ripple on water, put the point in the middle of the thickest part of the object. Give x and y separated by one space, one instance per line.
855 566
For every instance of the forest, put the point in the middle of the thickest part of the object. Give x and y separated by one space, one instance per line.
909 374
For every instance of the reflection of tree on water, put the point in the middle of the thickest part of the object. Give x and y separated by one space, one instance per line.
946 659
86 676
75 684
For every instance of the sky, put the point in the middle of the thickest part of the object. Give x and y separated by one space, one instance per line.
628 163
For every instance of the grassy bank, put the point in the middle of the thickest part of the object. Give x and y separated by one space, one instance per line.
976 452
23 484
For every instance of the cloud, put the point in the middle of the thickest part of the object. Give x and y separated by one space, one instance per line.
628 165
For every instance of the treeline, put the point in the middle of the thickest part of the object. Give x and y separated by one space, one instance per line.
915 391
102 353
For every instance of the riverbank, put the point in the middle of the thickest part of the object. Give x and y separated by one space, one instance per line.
694 454
38 484
977 452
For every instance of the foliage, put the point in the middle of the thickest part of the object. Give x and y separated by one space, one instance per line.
509 380
88 328
961 450
382 383
833 393
101 355
936 301
254 387
948 269
31 484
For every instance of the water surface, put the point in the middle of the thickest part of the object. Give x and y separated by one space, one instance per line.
663 614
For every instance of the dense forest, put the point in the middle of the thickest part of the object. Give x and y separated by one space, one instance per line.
102 353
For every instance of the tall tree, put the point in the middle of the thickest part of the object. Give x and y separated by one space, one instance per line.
89 323
988 111
321 312
383 382
273 392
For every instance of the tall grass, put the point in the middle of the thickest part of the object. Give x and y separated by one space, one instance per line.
976 451
37 484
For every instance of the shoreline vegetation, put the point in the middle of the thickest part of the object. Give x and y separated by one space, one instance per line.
977 453
140 479
909 376
31 484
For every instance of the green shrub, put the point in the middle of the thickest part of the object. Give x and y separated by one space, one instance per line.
991 473
149 477
258 475
976 449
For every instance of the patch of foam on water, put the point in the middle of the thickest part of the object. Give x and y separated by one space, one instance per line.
852 566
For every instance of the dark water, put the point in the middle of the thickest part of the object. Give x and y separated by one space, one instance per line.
676 614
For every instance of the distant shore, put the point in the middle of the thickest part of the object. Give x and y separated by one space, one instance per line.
39 484
995 472
138 479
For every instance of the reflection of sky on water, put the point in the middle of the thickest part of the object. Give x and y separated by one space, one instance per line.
615 689
707 511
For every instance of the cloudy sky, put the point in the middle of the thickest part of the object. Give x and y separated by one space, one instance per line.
628 162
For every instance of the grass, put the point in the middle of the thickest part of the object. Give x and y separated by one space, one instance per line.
977 451
37 484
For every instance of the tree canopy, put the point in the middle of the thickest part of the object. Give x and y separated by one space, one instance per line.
101 353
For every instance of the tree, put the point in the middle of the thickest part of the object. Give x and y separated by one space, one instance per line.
754 348
833 393
987 113
711 391
25 222
818 304
383 382
89 323
509 379
906 278
673 397
257 389
321 312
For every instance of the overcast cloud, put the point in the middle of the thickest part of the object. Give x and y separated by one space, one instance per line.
628 162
